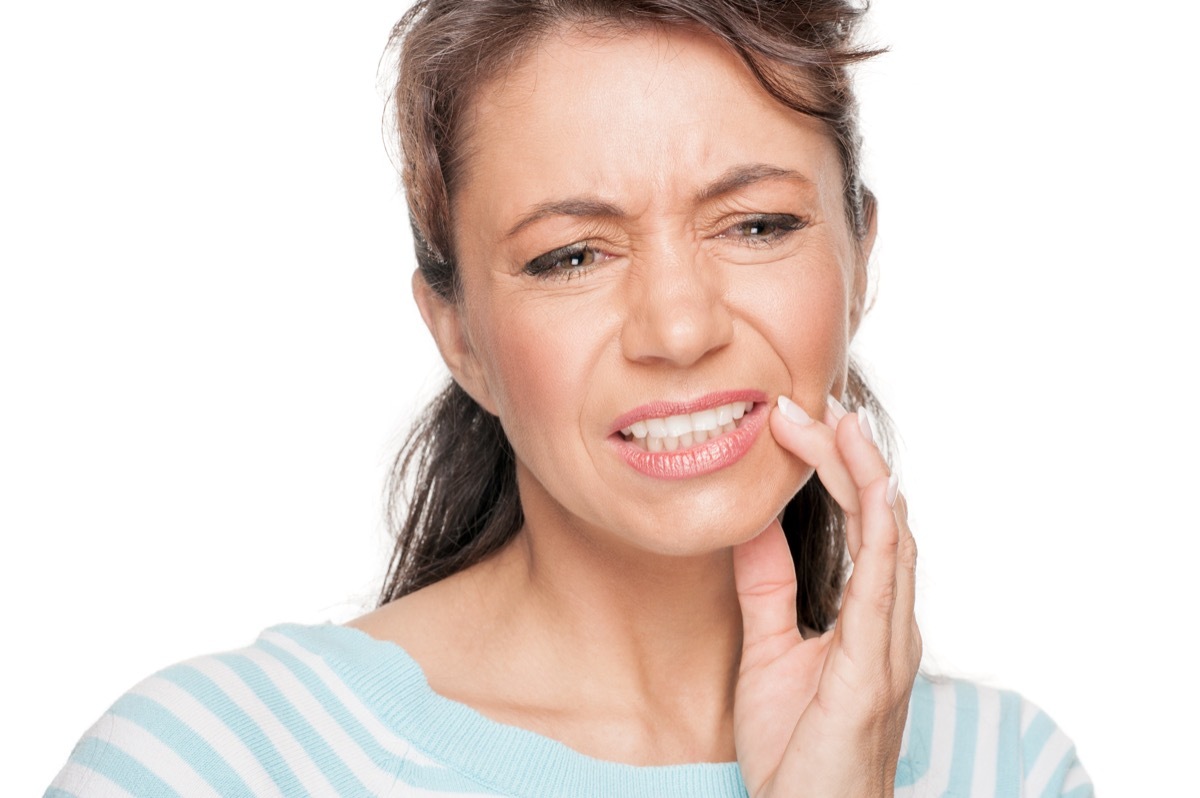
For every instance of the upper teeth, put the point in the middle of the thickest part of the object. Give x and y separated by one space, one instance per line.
666 433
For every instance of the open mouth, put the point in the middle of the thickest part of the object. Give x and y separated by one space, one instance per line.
673 433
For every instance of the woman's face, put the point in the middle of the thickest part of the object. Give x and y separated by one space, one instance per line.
648 242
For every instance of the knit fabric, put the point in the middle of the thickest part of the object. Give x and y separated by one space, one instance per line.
329 711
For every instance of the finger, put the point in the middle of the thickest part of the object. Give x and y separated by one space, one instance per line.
855 436
906 638
765 579
868 606
814 443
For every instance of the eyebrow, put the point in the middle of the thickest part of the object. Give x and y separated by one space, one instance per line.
731 180
739 177
574 206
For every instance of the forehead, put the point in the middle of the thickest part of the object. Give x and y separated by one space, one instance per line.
637 116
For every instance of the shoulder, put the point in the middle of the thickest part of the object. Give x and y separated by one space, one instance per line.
299 712
965 739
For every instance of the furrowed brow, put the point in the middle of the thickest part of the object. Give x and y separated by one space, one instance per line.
739 177
574 206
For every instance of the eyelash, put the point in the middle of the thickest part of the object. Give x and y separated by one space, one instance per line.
784 224
545 266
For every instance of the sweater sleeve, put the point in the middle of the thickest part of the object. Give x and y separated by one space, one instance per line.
1049 762
109 762
156 741
966 739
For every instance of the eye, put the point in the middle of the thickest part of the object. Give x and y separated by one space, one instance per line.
565 261
764 229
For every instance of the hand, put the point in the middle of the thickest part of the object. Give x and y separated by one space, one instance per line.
825 716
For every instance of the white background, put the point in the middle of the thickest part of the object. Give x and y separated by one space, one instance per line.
209 352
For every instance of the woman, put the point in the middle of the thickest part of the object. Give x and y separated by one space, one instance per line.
643 245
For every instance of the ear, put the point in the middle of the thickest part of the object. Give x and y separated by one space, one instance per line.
445 322
858 307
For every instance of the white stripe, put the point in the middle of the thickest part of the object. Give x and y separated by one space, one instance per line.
987 742
1076 777
160 759
306 770
1029 713
418 758
351 754
84 782
1038 776
214 730
941 742
385 737
401 789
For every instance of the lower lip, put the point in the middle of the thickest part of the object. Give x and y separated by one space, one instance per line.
712 455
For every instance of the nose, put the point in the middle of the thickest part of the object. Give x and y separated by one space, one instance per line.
676 310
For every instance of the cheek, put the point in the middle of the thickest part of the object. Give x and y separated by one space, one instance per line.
803 313
538 364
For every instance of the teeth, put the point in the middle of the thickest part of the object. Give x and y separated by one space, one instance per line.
679 432
677 425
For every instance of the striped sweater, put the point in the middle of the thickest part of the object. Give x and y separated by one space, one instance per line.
329 711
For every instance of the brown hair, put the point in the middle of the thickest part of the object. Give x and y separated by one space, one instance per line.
456 461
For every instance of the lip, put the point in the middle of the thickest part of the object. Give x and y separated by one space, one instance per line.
705 458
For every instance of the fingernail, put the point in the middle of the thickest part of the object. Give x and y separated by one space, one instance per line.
864 424
793 412
835 407
893 489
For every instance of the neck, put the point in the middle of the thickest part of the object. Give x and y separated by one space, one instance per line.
657 613
574 633
648 634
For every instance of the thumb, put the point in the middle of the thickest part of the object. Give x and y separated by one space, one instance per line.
766 587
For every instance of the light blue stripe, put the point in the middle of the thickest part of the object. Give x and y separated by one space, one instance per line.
915 762
120 768
334 706
1054 786
1008 772
1034 739
183 740
54 792
441 779
1082 791
206 691
966 735
322 755
437 778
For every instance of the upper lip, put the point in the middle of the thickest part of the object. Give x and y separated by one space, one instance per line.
666 407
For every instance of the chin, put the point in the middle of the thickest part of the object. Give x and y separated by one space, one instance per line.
714 520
